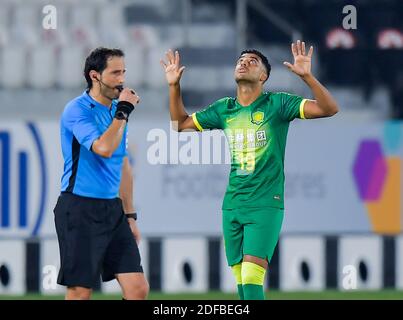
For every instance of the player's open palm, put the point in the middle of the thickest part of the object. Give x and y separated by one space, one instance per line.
302 61
173 70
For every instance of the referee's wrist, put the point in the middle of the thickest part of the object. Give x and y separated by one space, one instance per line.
131 215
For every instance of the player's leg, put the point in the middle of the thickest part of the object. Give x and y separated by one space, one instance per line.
261 232
233 241
237 271
122 259
78 293
134 285
253 274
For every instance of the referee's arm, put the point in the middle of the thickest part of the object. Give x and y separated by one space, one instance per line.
126 194
126 187
106 144
110 140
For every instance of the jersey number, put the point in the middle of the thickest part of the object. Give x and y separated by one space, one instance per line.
247 161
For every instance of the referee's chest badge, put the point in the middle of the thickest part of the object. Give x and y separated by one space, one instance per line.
257 117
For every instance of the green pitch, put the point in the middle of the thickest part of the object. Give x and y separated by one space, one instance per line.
217 295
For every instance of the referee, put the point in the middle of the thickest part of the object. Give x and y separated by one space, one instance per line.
94 215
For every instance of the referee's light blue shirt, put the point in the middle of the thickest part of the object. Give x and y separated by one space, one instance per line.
85 173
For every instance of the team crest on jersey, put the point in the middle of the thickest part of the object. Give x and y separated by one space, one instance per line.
257 117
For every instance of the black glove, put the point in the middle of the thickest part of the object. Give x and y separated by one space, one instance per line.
123 110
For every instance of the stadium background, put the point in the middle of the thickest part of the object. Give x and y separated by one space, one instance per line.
343 175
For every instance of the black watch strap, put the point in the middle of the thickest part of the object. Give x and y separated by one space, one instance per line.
131 215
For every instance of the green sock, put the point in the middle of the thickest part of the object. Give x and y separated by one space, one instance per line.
252 281
240 291
253 292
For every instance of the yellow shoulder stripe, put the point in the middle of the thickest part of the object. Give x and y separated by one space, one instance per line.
196 122
301 109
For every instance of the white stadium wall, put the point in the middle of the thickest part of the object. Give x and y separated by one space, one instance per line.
13 267
302 263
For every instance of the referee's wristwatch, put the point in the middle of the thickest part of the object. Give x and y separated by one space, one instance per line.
131 215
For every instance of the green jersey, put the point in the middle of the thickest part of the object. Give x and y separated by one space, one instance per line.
257 137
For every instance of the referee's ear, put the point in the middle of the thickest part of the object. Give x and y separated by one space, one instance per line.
94 75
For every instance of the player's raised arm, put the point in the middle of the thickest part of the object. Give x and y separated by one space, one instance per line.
173 74
324 104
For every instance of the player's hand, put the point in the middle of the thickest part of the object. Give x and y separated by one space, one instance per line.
302 61
135 230
129 95
173 70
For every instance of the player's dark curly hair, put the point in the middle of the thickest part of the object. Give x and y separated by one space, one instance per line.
97 60
264 59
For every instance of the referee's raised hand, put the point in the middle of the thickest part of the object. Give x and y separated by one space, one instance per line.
129 95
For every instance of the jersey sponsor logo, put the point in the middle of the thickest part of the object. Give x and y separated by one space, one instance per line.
240 140
258 117
23 181
261 135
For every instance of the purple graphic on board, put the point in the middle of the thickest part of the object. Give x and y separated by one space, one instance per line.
370 170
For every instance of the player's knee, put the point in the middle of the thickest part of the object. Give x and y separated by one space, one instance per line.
75 293
138 290
252 273
144 289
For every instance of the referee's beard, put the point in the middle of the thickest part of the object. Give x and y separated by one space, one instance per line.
104 94
108 92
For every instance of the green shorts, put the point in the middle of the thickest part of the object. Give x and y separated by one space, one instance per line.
251 231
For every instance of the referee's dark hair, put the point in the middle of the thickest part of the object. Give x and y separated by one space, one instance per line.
97 60
264 59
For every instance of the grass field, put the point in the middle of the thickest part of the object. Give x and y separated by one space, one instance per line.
216 295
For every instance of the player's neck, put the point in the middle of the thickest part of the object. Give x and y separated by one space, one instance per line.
98 97
248 93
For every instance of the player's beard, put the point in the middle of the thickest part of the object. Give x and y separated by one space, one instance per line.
241 80
247 79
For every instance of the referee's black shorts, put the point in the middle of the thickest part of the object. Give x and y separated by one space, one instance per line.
94 239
